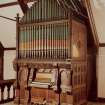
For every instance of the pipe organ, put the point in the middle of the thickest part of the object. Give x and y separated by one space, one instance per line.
48 41
51 56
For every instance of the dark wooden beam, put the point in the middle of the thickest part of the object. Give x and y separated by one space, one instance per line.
23 4
7 18
8 4
11 4
102 45
10 48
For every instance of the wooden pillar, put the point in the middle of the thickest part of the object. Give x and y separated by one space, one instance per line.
13 93
2 93
8 89
1 61
17 36
70 36
16 84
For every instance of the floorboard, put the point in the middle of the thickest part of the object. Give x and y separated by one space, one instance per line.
90 103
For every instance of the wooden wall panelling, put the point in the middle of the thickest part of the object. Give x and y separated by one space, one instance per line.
79 61
79 40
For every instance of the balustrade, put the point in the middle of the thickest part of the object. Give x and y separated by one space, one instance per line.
7 92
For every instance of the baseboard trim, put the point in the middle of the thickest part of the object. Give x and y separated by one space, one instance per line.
97 99
100 99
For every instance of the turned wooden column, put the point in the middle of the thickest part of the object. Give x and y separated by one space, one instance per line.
14 93
66 87
2 92
23 82
8 89
16 83
65 80
54 79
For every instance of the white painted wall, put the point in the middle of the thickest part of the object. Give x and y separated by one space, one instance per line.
8 35
8 38
101 72
7 27
98 9
9 72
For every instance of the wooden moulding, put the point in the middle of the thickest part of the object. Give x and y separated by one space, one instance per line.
10 48
44 22
41 64
102 45
102 100
8 4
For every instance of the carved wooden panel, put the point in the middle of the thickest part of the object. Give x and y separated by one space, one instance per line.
79 43
44 94
79 81
22 79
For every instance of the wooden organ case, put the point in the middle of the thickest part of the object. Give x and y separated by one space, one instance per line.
51 62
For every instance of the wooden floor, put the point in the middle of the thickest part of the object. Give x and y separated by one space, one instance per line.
90 103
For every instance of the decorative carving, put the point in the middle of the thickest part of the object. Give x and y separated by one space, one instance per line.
65 80
23 83
40 64
60 79
54 79
31 75
16 85
22 76
15 65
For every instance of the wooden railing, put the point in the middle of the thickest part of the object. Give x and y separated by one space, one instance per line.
7 91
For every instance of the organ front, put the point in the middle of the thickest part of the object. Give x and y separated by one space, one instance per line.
44 40
51 56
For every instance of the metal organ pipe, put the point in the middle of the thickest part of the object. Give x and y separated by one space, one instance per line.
31 42
34 42
24 30
52 41
46 40
54 54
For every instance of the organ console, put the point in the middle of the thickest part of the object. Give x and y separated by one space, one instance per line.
49 72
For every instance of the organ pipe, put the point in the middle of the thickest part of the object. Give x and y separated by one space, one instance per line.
44 41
